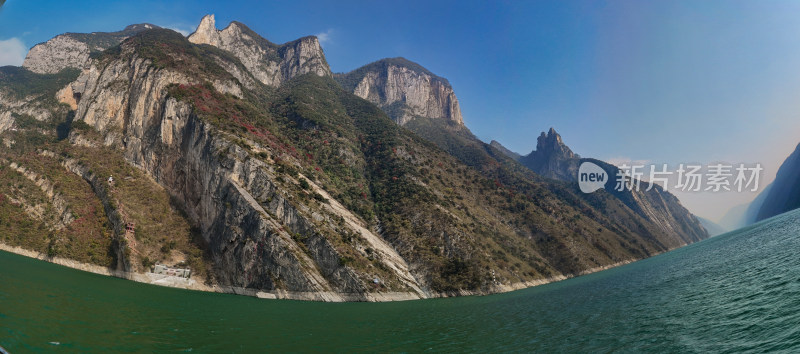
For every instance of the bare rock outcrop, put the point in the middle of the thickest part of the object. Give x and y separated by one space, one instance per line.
72 50
56 54
404 90
269 63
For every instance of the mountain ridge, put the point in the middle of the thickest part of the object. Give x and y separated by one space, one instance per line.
290 188
269 63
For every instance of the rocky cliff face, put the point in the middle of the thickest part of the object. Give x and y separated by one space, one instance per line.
404 90
784 193
56 54
269 63
72 50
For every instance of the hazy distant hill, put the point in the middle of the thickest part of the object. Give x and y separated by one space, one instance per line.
713 228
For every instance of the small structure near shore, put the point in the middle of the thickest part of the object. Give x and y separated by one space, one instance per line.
176 272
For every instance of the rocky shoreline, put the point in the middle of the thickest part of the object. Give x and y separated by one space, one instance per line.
325 296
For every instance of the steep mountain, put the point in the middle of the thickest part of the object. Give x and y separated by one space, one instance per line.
404 90
72 50
784 193
552 158
269 63
279 183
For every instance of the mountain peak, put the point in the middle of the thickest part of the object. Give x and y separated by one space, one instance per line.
73 50
206 32
269 63
405 90
552 158
551 144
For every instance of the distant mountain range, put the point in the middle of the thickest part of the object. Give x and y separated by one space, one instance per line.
553 159
713 228
782 195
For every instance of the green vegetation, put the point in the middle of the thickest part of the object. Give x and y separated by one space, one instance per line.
22 83
171 50
89 238
86 239
98 41
162 233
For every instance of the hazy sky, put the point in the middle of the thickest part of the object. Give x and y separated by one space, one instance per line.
659 81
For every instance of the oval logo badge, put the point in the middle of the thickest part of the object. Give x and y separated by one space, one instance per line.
591 177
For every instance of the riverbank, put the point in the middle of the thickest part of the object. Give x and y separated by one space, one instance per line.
192 284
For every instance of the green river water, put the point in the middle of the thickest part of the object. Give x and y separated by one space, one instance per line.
738 292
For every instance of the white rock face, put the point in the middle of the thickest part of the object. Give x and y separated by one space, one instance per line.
269 63
56 54
111 107
421 94
206 32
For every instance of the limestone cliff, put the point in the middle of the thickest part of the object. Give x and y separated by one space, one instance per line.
404 90
269 63
72 50
56 54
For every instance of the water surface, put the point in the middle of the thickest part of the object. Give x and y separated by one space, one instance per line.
735 292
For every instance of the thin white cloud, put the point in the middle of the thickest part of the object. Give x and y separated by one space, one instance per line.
12 52
325 37
619 161
185 31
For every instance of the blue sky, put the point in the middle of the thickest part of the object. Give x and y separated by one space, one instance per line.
658 81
